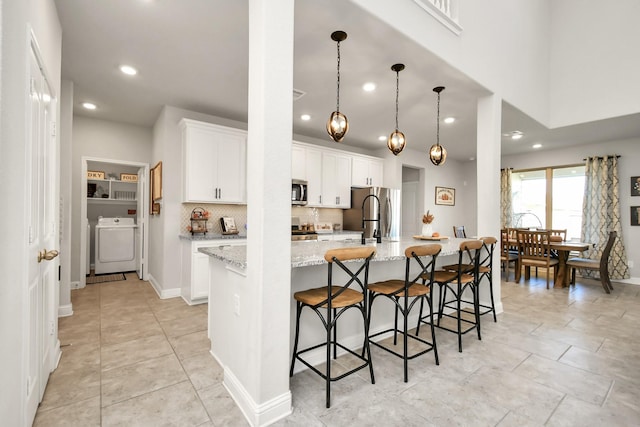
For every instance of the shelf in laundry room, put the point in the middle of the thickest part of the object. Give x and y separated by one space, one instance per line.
101 200
119 192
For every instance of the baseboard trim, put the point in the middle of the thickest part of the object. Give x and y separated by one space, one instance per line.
75 285
164 293
65 310
258 415
630 281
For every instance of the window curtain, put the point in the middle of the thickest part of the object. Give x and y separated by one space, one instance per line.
601 214
506 209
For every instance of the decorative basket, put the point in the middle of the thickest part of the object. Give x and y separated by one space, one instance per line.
199 218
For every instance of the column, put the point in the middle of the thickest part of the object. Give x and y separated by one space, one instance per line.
488 179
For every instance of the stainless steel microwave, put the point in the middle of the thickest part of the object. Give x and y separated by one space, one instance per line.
298 192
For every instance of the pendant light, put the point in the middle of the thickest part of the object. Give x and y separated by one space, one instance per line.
337 125
437 153
396 141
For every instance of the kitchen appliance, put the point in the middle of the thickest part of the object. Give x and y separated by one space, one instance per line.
302 231
115 245
298 192
364 218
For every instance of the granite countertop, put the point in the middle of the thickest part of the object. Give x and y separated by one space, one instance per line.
211 236
308 253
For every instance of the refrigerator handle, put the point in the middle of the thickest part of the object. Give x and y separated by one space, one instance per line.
389 218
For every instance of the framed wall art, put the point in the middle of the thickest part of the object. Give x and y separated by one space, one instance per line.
156 188
635 185
635 215
445 196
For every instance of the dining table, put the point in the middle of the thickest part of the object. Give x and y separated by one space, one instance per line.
563 249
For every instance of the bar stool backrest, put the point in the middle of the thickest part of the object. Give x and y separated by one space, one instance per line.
486 255
426 269
337 256
470 249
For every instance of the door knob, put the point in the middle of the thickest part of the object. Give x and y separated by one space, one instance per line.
47 255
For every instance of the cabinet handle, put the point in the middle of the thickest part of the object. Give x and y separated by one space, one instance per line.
219 193
337 200
320 199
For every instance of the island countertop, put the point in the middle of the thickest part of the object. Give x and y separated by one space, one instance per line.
308 253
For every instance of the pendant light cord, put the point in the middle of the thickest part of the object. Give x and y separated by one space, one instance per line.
338 85
397 94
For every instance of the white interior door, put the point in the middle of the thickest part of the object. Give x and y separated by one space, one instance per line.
42 186
141 231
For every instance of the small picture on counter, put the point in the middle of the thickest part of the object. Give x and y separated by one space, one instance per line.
228 225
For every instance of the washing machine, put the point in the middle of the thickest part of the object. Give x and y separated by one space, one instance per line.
115 245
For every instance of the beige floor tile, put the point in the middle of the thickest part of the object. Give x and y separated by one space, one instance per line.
190 344
576 412
203 370
570 336
72 386
597 363
195 322
515 420
134 351
220 406
123 383
129 331
166 313
85 413
176 405
592 388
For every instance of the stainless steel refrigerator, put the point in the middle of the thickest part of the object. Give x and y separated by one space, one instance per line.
389 211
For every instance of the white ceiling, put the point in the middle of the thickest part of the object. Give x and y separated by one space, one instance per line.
192 54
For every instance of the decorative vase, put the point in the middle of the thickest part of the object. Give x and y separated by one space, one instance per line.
427 230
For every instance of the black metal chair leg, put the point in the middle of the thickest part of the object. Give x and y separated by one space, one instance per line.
328 369
419 317
295 341
395 324
459 319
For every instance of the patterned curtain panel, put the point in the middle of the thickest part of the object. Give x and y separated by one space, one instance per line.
506 210
601 214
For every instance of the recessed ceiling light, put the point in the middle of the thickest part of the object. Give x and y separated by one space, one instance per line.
516 136
305 117
382 138
472 158
89 105
128 70
449 119
537 145
369 87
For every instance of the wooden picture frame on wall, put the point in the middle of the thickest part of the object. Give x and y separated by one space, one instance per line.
635 185
156 188
635 215
445 196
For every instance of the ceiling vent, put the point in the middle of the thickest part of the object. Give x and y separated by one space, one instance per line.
297 94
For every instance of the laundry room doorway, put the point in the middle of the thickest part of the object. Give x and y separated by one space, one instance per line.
114 208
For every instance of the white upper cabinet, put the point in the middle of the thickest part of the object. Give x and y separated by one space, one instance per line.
213 163
367 172
327 172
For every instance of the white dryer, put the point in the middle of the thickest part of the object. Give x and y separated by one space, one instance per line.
115 249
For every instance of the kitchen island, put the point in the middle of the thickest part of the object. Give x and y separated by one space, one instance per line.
234 316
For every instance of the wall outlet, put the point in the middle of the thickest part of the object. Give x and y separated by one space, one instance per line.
236 304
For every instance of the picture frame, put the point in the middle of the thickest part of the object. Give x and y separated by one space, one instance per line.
156 188
445 196
228 225
635 215
635 185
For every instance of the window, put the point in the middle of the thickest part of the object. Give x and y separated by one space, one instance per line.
549 198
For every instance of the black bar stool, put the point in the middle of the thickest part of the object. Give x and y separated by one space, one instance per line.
464 277
400 292
329 303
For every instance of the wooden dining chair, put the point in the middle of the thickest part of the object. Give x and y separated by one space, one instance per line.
534 251
458 231
601 264
507 255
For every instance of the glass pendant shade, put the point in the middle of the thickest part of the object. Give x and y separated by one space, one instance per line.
337 126
396 142
437 154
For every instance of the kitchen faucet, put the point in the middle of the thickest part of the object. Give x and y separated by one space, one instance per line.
376 232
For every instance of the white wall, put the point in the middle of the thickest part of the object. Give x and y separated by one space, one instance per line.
107 140
66 195
504 45
594 61
629 150
15 17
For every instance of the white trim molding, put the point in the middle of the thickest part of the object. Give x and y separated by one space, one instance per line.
65 310
164 293
445 11
257 415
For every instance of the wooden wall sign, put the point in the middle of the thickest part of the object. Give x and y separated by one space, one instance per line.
129 177
95 175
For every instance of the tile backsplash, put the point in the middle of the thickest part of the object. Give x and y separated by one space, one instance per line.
239 214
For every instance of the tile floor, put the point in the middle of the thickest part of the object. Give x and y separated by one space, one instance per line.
558 357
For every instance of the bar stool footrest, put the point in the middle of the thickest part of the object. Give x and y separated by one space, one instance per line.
415 337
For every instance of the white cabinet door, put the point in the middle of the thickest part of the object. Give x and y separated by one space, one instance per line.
199 275
298 164
313 166
367 172
214 163
343 181
329 180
